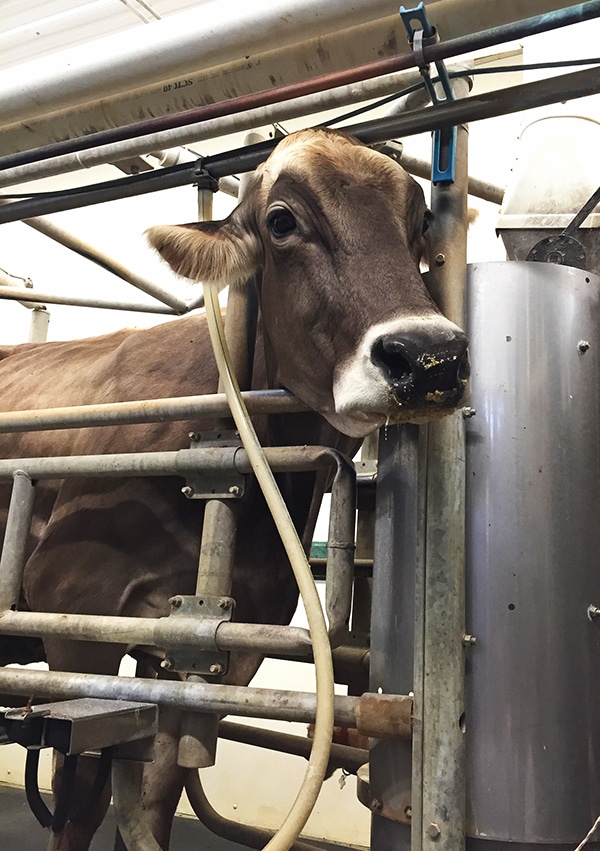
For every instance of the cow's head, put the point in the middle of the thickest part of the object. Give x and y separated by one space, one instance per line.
333 232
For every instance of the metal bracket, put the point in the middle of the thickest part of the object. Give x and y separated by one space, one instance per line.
227 484
444 141
189 659
204 179
86 724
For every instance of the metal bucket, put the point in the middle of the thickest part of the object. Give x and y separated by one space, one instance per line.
533 555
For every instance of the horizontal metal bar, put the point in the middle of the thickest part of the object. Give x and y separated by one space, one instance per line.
39 296
180 463
193 696
341 756
158 632
147 411
379 715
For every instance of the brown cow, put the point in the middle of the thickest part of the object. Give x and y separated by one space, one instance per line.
332 233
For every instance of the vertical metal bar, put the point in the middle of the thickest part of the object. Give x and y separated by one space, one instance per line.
340 552
199 732
439 682
38 325
14 551
397 549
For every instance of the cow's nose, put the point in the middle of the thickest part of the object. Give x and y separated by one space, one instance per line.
422 368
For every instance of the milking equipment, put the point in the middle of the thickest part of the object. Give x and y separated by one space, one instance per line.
533 502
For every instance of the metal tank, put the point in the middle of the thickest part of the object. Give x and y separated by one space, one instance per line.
533 556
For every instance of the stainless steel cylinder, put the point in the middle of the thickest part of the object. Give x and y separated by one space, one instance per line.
533 554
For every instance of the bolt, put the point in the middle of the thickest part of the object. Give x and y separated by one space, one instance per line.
234 490
583 346
408 812
194 436
167 664
468 640
433 831
188 492
176 602
217 668
593 612
468 412
440 259
224 603
376 804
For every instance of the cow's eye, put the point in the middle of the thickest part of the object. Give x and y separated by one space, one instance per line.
426 220
281 223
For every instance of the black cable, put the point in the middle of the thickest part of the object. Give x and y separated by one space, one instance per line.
467 72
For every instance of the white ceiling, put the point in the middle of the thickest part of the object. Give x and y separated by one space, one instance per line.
36 28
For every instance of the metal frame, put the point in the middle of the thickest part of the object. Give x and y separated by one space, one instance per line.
401 494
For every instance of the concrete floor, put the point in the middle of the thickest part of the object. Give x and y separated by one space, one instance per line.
19 830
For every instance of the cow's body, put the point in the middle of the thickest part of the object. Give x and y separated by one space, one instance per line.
333 232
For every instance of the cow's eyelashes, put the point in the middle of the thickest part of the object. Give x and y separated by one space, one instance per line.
281 222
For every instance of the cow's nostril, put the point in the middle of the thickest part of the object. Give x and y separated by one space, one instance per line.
421 369
391 354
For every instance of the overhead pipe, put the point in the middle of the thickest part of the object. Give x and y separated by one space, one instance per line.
219 127
209 129
170 49
337 36
487 105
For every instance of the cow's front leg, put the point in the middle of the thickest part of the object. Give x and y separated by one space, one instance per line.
163 780
86 808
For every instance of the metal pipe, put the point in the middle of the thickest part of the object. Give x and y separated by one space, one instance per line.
211 129
477 187
39 320
14 550
169 49
233 831
38 296
210 697
105 261
147 411
9 282
342 756
454 46
486 105
340 551
181 462
440 676
199 732
158 632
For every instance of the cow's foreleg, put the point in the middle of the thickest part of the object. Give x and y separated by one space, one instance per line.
163 780
85 808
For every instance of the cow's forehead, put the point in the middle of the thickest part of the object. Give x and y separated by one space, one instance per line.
310 153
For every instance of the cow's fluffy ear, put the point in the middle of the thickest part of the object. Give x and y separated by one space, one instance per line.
211 252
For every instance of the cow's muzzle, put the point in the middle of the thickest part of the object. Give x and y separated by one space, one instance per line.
421 371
